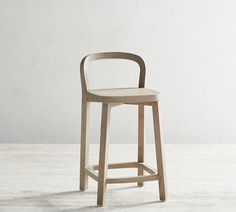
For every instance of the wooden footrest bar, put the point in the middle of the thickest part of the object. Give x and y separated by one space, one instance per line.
91 171
133 179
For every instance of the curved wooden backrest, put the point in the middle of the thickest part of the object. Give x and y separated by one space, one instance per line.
111 55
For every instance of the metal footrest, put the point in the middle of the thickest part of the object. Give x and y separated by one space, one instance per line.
91 171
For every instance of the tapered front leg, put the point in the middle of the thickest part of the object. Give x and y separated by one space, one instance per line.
102 172
159 152
140 139
84 147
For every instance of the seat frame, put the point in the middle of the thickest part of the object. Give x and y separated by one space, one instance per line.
90 170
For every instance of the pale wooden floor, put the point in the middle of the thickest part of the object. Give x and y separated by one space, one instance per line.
46 178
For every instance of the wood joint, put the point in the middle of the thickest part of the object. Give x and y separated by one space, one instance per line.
91 171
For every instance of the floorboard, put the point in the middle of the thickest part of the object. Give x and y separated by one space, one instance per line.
45 177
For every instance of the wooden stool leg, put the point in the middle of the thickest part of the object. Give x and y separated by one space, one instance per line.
84 146
103 153
159 152
140 139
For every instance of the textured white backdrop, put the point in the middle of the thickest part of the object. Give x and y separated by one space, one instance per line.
189 48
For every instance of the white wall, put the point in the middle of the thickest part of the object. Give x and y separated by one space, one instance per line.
189 48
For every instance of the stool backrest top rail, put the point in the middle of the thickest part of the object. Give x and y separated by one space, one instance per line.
110 55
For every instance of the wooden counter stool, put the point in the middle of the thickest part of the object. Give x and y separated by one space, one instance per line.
112 97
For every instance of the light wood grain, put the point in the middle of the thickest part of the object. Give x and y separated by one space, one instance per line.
110 98
111 55
147 168
122 95
102 172
133 179
126 165
89 170
140 140
159 152
84 151
120 165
